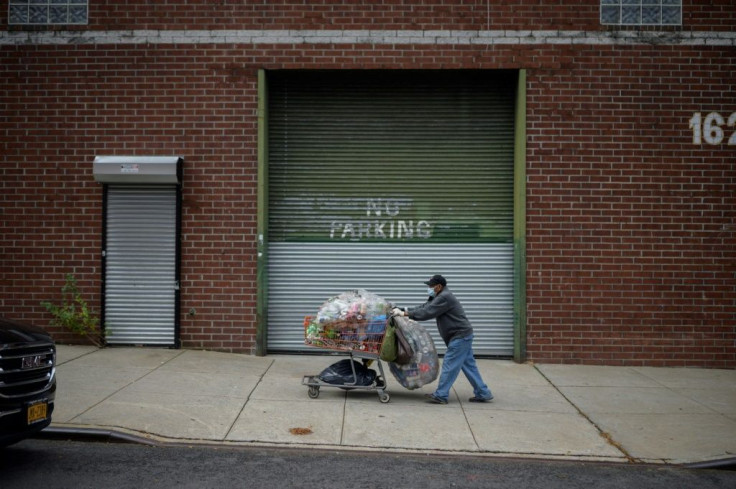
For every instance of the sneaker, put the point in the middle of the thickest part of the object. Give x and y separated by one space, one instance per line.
480 399
434 399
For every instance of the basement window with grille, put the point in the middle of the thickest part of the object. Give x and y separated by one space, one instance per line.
47 12
641 12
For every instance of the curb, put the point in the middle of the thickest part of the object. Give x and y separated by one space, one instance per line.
92 434
111 436
723 464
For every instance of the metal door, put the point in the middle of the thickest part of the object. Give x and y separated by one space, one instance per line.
141 289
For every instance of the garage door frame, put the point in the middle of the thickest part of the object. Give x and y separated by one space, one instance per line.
519 238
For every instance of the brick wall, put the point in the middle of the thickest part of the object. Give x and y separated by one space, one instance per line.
374 14
631 249
630 232
67 105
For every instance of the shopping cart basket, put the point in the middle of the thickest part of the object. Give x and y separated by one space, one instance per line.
361 339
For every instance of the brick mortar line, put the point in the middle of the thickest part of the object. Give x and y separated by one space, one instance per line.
377 37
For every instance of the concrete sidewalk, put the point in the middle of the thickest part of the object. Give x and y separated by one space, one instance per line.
618 414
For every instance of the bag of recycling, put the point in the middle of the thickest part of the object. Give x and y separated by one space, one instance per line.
341 373
404 351
353 320
424 365
353 306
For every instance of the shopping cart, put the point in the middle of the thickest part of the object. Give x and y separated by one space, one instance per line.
361 339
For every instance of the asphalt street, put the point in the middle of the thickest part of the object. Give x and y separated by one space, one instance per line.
67 464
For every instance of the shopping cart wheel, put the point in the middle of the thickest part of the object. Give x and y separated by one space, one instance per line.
384 397
313 392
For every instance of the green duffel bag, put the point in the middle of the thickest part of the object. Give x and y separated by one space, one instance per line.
395 348
388 348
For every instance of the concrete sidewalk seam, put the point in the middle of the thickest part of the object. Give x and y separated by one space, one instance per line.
687 396
605 435
247 400
344 416
467 421
76 358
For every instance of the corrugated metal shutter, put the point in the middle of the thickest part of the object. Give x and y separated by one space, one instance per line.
379 180
140 265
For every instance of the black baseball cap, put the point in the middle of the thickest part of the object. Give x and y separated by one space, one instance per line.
436 279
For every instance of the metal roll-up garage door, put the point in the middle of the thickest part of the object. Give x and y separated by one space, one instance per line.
380 179
140 264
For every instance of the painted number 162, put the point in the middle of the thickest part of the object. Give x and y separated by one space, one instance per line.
710 128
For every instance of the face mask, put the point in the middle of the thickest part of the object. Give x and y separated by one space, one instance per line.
430 291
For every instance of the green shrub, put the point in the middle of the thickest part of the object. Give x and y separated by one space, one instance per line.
74 314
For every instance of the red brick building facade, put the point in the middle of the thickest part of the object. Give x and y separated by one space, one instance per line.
629 243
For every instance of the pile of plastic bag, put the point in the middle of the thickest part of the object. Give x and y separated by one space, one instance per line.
352 306
353 320
424 366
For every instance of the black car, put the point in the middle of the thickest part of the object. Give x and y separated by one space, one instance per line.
27 380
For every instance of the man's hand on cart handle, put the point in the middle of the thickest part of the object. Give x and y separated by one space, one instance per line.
397 312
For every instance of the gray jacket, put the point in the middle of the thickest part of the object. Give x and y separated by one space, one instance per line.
446 309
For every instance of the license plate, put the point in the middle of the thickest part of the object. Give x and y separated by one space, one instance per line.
37 412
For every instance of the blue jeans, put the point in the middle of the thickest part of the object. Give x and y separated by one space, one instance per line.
459 356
